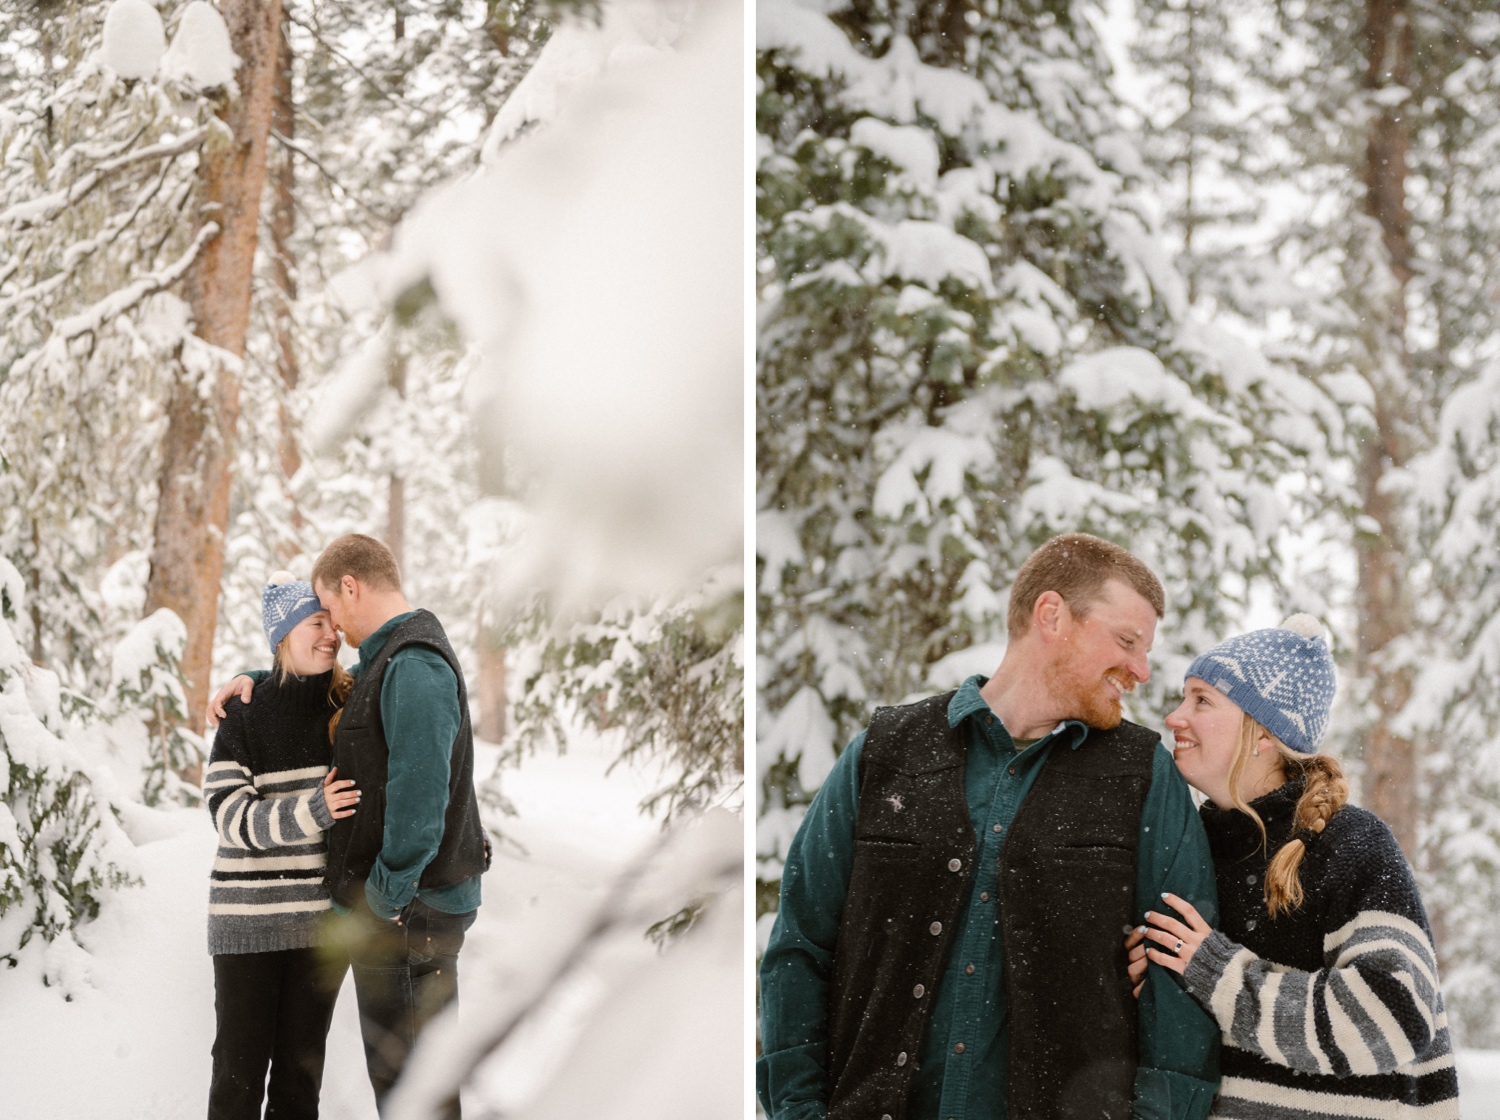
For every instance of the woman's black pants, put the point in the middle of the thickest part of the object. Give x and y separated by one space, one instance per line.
273 1010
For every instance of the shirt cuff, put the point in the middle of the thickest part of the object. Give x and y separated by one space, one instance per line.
1165 1094
1206 969
386 897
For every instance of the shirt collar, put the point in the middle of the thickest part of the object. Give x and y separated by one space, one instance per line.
967 702
370 648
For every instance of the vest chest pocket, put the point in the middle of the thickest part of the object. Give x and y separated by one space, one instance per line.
1107 816
898 808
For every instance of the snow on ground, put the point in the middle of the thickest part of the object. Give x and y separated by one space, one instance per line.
135 1046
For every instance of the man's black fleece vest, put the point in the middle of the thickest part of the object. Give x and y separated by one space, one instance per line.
360 752
1065 896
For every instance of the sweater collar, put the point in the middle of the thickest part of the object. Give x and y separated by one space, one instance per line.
1232 831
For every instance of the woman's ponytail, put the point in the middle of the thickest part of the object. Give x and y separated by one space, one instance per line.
1325 793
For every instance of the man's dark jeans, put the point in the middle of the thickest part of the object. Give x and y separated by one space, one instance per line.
403 975
273 1009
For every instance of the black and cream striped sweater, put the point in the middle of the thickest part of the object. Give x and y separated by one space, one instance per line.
264 789
1332 1010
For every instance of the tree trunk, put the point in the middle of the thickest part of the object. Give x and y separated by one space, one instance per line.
395 531
492 722
282 225
1385 607
187 553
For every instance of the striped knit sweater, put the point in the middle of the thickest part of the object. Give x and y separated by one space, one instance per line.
1332 1010
264 789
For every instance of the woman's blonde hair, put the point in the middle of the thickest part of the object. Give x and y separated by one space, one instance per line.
1325 793
339 685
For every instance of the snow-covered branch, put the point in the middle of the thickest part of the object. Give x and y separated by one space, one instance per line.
92 318
48 206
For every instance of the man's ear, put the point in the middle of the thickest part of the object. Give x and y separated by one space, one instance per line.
349 585
1050 616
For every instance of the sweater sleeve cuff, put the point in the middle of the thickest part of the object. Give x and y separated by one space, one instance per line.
1207 967
1164 1094
318 807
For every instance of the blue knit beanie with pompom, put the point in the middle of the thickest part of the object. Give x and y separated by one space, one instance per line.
1283 677
285 602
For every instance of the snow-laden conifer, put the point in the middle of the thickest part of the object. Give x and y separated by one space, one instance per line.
61 848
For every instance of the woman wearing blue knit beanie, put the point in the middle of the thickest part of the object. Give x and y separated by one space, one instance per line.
1321 974
273 796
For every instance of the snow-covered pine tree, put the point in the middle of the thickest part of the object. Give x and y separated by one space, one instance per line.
971 340
61 848
1196 136
669 676
1377 120
95 171
147 712
1452 712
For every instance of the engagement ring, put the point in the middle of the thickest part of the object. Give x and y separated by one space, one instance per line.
1178 947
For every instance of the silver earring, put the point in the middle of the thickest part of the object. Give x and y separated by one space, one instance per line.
1256 751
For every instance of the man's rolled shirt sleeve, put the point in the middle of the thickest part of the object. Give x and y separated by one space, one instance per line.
796 972
1178 1071
419 708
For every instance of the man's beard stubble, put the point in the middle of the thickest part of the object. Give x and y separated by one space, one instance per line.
1090 699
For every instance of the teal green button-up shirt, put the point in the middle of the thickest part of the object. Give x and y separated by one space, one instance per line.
1178 1041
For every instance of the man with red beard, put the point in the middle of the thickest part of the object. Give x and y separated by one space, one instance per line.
949 943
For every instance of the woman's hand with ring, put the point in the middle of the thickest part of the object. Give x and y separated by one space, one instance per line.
1175 941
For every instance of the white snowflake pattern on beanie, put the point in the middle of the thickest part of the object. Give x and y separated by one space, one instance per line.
1282 676
285 601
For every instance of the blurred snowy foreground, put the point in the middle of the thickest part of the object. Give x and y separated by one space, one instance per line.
595 262
632 1032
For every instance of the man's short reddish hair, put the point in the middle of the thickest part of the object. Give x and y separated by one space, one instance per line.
362 557
1077 566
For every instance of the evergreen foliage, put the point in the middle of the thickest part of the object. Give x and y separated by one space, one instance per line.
670 678
61 848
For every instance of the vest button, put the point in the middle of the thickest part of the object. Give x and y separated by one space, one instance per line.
918 991
885 1116
955 864
997 828
1012 769
1250 879
969 970
984 896
959 1049
935 929
901 1058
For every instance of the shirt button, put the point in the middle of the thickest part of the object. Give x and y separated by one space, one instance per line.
935 929
918 991
969 969
997 828
885 1116
959 1049
984 896
955 864
901 1058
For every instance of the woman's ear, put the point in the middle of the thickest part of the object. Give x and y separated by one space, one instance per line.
1264 742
